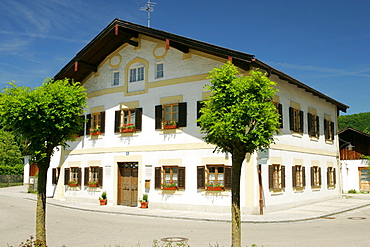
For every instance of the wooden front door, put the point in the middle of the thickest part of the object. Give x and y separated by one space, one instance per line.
128 183
364 174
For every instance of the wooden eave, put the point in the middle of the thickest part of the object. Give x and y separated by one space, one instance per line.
120 32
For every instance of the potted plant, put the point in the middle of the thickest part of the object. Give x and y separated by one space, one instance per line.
215 186
144 202
95 131
103 198
73 183
93 183
169 125
169 186
126 128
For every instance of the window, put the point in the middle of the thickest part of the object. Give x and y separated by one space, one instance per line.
313 125
328 130
137 73
95 123
279 108
214 176
94 176
173 115
72 176
169 176
115 81
296 120
299 177
331 178
276 177
159 70
315 177
128 120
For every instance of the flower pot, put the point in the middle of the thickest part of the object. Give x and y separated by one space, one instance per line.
170 126
169 188
144 204
127 130
93 185
215 188
96 133
103 202
73 185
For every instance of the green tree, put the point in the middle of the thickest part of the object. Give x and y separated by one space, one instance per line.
46 117
239 118
359 121
11 159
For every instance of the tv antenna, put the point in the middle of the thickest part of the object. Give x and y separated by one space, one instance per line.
149 7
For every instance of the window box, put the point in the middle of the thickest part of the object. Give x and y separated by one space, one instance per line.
94 132
169 125
93 183
127 128
170 188
217 188
73 184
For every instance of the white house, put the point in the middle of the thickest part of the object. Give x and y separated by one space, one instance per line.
141 78
354 144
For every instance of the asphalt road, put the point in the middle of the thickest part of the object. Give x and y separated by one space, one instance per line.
76 228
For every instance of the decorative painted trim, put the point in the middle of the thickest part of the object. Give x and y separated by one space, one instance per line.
162 55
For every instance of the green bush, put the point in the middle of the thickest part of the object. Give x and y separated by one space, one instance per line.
352 192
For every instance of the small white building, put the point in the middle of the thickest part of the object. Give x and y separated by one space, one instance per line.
354 144
138 79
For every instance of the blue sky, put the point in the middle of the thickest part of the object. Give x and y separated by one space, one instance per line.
324 44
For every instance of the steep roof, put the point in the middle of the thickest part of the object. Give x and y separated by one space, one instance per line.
119 32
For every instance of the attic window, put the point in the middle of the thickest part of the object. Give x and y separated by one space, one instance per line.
137 72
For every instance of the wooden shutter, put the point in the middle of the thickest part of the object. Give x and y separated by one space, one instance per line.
327 176
79 175
201 177
282 177
304 176
82 130
228 177
54 177
138 118
100 176
88 124
334 176
310 125
117 120
66 176
102 122
326 132
271 177
312 180
318 127
294 178
280 111
291 118
86 176
200 104
157 177
182 114
332 130
158 117
301 123
320 176
181 180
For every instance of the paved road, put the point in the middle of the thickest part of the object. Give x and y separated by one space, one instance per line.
76 228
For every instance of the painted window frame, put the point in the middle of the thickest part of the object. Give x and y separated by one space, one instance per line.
159 72
160 115
90 122
203 176
331 177
159 176
316 177
136 73
93 173
115 78
299 177
296 121
313 125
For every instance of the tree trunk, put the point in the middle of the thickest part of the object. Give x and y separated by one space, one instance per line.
41 202
236 234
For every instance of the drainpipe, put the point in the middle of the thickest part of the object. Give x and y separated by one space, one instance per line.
260 189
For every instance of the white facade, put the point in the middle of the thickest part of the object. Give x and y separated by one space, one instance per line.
183 81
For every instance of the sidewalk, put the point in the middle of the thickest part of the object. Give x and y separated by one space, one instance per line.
302 213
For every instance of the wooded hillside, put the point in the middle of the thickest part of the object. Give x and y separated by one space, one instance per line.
360 121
